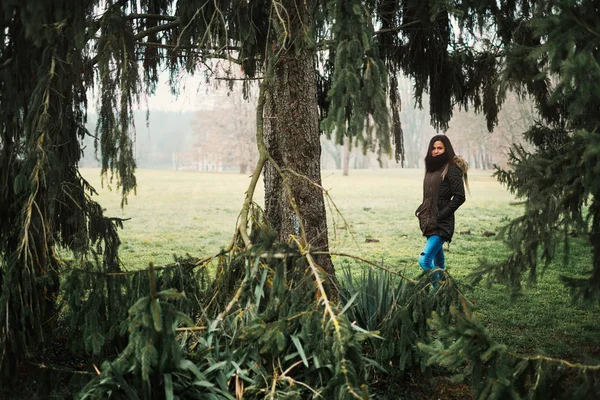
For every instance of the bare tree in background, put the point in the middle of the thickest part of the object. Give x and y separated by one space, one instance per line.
346 157
470 137
331 155
483 149
415 124
516 117
225 133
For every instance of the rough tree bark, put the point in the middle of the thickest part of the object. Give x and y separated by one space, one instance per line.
292 139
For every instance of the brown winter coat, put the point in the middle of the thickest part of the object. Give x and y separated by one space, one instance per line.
443 194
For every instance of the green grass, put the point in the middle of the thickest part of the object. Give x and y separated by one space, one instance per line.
195 213
174 213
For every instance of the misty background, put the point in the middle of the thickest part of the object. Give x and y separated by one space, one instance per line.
212 128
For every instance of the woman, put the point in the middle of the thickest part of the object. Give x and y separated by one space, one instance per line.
443 193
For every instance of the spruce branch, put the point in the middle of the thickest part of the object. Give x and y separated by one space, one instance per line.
234 300
276 5
579 22
156 29
192 329
219 13
200 50
262 158
51 367
398 28
245 79
185 28
194 264
203 54
540 357
492 367
152 280
152 16
208 27
284 376
315 270
37 173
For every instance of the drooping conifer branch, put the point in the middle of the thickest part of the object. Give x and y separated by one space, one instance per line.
156 29
359 80
151 16
494 371
189 264
262 158
345 367
539 357
397 28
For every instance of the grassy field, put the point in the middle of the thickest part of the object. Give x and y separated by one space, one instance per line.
195 213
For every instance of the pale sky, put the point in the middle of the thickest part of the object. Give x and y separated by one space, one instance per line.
193 96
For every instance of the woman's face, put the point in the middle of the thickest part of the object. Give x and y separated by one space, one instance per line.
438 148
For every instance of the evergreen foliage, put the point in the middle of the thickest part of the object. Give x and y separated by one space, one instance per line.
96 303
359 78
495 372
558 179
45 204
276 335
274 342
52 53
152 366
271 330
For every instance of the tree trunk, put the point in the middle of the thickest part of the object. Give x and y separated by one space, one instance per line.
292 139
346 162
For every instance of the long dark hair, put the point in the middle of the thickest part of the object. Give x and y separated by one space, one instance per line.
447 145
462 164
